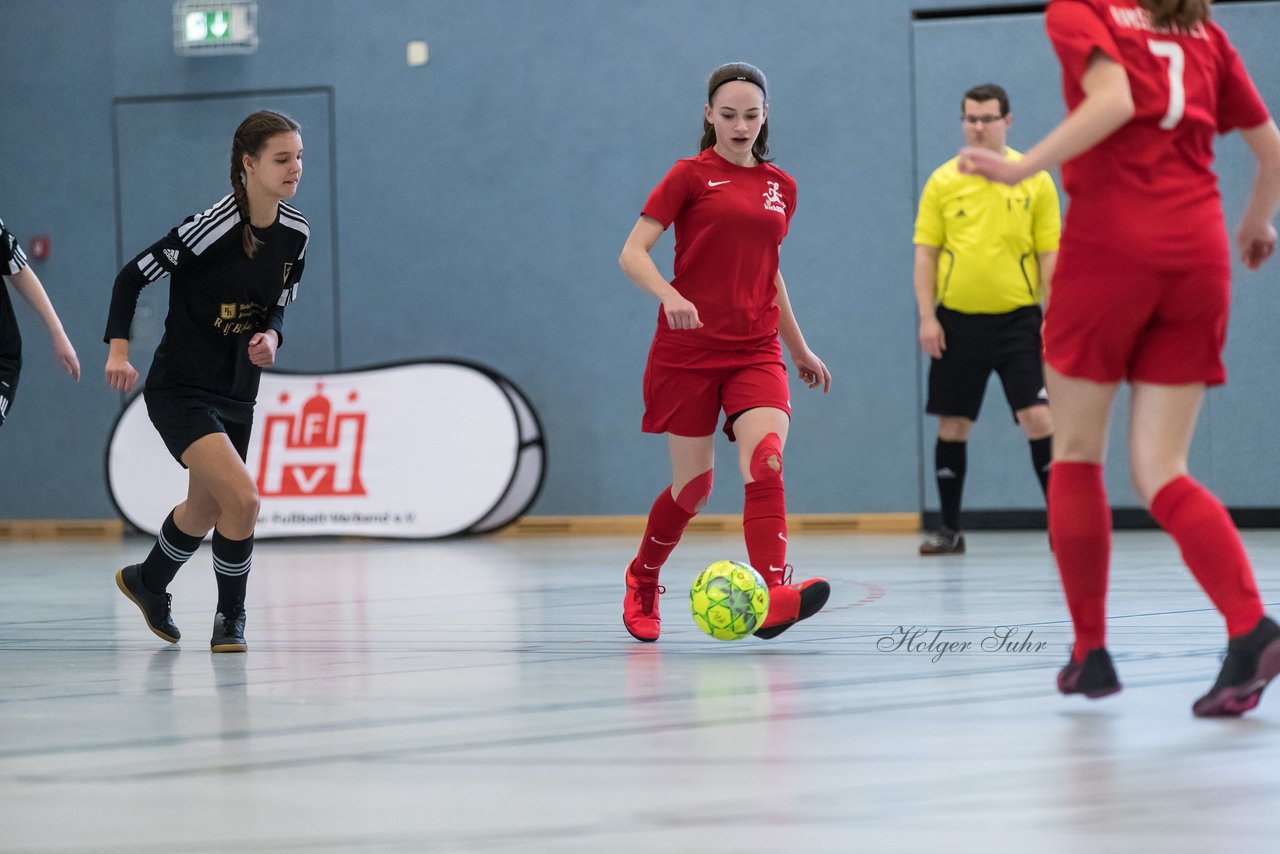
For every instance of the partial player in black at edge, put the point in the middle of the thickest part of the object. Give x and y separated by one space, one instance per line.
18 273
232 270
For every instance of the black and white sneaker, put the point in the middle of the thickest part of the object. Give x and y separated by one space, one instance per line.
943 541
1252 661
155 607
228 632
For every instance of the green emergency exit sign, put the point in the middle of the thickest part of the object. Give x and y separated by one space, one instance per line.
207 27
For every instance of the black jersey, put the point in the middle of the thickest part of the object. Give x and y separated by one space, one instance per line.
12 261
219 298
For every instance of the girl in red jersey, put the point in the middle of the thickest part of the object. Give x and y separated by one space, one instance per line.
717 345
1141 293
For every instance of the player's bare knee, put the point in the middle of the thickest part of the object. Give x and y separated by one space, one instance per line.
954 429
766 459
240 507
1150 476
694 494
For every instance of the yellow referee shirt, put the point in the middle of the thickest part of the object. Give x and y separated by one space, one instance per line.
990 236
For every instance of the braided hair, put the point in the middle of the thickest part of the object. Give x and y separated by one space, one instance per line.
250 137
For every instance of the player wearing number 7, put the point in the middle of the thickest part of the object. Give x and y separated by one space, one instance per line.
1141 294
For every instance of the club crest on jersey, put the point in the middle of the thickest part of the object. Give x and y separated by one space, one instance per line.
235 318
773 201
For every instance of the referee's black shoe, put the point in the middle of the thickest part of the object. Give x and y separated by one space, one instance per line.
155 607
943 541
228 632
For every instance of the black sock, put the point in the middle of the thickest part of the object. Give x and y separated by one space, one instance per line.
231 562
1041 457
173 548
949 463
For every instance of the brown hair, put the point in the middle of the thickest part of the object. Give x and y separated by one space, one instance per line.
1184 14
750 74
987 92
250 137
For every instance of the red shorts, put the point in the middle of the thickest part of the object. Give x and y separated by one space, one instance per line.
686 388
1108 324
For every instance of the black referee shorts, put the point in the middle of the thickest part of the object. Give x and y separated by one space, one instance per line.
978 344
182 417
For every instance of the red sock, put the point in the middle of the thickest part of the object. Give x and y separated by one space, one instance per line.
764 526
1080 524
1211 547
667 520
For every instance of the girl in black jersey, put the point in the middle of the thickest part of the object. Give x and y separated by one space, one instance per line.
232 270
16 271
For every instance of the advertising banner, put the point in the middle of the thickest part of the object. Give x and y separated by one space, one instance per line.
416 450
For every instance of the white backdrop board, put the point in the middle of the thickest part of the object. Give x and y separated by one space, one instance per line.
416 450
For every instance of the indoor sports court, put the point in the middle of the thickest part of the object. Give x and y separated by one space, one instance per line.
482 696
452 479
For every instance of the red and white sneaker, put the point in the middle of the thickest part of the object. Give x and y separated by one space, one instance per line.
640 605
790 603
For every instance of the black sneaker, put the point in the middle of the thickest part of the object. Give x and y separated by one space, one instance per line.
1094 677
155 607
1252 661
228 632
943 541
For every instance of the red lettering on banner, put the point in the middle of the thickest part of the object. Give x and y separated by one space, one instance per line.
315 453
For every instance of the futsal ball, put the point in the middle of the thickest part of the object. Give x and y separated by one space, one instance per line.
729 600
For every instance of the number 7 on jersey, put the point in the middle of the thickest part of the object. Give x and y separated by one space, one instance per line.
1172 51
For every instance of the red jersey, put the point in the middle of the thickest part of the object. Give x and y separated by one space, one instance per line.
1147 193
729 221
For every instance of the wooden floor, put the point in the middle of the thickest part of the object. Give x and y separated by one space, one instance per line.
483 696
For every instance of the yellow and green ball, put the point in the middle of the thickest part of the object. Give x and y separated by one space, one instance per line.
729 600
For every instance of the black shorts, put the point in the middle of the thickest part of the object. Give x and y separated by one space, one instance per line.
8 388
978 344
183 417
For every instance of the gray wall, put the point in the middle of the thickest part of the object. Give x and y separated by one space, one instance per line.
479 204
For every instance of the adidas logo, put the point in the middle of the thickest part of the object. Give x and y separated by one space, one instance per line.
172 255
946 473
960 214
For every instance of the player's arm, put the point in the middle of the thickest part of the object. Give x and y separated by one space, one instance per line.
1257 236
1048 262
637 263
27 283
1107 106
925 275
120 373
809 367
152 264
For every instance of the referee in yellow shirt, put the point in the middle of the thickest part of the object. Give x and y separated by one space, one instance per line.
984 259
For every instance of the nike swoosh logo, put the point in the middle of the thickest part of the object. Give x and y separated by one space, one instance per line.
646 566
784 539
717 183
661 543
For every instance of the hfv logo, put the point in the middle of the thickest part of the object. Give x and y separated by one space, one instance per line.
314 453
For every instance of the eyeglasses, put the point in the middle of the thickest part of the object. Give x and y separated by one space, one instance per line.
981 120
